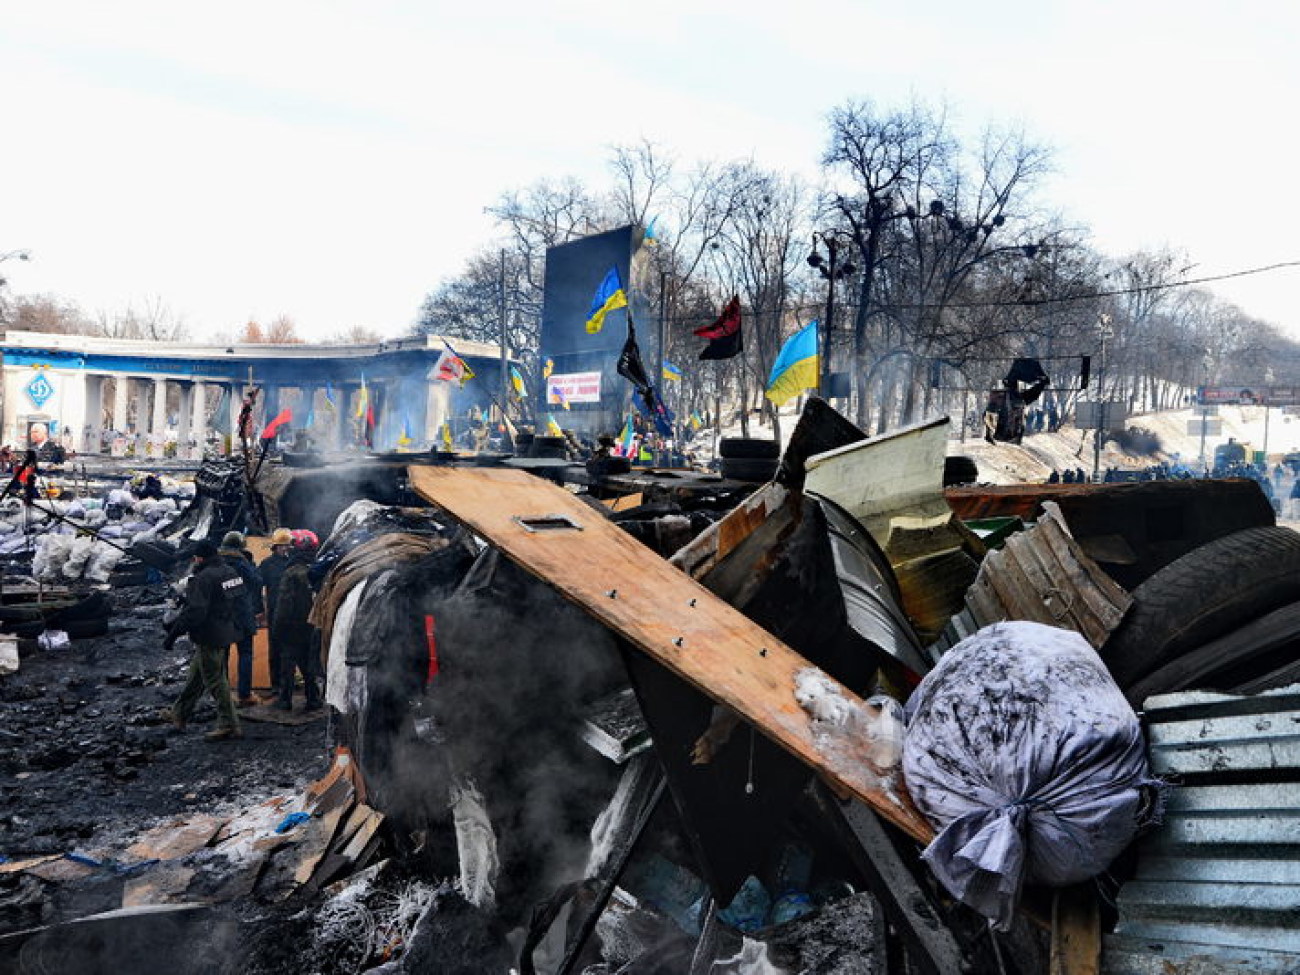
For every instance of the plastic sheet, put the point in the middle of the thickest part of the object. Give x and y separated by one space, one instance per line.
1024 754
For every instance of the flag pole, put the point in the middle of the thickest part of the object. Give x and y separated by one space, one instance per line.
492 399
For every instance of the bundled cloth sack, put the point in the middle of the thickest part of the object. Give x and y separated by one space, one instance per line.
1024 755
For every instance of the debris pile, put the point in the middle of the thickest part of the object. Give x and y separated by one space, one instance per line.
842 721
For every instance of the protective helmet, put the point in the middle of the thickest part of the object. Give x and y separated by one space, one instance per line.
304 540
233 540
282 536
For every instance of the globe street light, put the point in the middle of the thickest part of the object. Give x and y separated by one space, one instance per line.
830 269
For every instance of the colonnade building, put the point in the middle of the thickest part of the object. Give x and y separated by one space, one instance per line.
127 396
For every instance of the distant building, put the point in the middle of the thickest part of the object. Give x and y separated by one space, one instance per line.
100 395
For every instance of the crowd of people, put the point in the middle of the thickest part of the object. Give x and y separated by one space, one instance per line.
227 599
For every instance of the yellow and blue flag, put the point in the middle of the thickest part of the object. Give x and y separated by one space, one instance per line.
405 440
671 372
363 398
557 396
548 368
553 428
517 382
796 366
626 439
609 295
446 435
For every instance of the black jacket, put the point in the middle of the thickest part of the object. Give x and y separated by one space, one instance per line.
272 571
289 626
250 606
212 602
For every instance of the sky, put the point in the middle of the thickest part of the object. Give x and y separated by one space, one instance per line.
331 161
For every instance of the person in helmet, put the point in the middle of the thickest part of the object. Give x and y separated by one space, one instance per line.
271 570
247 612
297 638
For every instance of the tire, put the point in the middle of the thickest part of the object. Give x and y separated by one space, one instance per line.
1210 591
1258 656
959 470
749 469
748 448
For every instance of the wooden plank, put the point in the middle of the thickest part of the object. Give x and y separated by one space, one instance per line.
17 866
662 612
176 839
1076 932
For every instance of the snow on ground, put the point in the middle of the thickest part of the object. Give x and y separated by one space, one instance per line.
1040 453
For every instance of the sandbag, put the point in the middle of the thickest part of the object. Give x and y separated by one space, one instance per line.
1025 756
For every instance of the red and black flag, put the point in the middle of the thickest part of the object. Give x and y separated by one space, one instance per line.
285 416
724 335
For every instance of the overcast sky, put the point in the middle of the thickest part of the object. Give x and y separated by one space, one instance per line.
330 161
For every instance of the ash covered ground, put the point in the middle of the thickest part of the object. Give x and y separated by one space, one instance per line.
87 763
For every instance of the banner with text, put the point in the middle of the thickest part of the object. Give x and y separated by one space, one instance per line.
573 387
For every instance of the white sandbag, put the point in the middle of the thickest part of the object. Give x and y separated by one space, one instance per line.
1024 754
354 515
78 555
52 551
103 559
8 655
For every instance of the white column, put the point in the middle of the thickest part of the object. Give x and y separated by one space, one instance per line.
121 391
158 425
199 424
141 408
94 414
183 417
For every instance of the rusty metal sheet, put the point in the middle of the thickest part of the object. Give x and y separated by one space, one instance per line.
662 612
1042 575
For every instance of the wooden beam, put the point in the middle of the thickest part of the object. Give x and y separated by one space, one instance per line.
664 613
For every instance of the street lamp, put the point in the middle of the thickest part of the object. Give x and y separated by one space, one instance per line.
1101 408
832 270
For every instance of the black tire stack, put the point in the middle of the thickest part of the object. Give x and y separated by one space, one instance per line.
749 458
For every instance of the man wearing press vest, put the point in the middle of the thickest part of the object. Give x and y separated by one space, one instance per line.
212 600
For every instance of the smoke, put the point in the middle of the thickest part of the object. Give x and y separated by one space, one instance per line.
1137 442
517 667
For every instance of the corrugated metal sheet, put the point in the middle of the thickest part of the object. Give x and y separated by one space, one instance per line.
1041 575
1217 887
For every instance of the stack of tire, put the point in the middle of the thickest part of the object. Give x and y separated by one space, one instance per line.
1225 617
749 459
80 619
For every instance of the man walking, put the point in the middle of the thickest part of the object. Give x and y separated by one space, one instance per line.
208 618
247 610
290 630
272 571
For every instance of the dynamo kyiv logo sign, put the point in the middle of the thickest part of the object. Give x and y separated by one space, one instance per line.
39 390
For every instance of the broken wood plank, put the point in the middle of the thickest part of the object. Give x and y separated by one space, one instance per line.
173 840
661 612
18 866
167 883
1076 932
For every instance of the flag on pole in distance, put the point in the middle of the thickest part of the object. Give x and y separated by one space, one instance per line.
626 439
405 440
696 421
553 428
329 396
548 368
363 399
796 366
608 296
446 435
557 397
726 340
517 382
671 372
452 368
283 417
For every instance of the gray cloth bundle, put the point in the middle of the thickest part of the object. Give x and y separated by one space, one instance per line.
1024 754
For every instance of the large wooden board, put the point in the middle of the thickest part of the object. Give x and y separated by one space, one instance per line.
662 612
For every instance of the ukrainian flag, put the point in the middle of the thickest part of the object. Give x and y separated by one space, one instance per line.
671 372
626 439
609 295
796 366
553 428
517 382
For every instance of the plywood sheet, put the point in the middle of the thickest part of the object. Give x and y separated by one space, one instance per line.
660 611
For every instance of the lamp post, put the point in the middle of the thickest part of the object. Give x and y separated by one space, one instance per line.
831 269
1100 407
